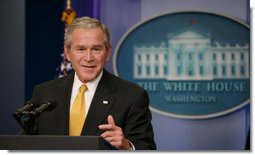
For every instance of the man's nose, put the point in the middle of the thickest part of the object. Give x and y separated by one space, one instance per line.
88 56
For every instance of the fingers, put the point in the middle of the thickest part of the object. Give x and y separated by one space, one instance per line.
114 134
114 139
110 120
110 125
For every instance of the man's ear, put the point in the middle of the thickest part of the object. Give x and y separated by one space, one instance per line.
108 54
67 53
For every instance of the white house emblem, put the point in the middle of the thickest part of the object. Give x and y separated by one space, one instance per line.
190 70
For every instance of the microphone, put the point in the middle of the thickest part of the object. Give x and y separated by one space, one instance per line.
29 105
46 105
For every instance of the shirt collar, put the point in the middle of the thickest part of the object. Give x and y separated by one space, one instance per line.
92 85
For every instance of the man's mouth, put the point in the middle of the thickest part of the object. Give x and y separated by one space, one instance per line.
88 66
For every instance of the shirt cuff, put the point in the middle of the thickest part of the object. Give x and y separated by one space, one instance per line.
132 146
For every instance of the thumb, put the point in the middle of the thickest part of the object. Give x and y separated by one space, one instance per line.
110 120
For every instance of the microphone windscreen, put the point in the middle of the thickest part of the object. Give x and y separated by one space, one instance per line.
52 103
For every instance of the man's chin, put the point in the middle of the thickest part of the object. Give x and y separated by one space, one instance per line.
88 77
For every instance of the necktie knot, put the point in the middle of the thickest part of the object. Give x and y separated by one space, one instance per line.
83 88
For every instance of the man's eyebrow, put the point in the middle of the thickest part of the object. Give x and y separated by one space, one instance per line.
98 45
79 46
92 46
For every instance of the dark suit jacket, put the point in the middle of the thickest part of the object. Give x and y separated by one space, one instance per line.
127 103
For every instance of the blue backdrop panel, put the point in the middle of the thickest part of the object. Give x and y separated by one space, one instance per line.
227 132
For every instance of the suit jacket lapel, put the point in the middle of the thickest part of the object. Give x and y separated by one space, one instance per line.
63 99
101 104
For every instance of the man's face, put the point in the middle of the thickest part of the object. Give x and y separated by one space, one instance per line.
87 53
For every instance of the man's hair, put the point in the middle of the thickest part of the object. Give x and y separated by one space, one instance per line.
87 23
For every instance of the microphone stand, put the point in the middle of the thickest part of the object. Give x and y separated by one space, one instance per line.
26 117
26 120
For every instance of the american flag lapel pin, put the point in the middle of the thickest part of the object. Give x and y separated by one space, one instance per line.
105 102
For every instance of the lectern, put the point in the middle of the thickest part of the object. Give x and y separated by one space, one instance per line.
43 142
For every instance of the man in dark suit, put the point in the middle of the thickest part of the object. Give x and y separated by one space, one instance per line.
114 108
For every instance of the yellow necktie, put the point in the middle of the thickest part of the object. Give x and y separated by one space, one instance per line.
77 114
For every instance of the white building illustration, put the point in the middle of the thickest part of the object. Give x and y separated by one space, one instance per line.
191 55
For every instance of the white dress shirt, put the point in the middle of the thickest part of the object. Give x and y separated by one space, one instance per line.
89 94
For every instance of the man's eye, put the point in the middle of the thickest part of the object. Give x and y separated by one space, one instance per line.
80 49
96 49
